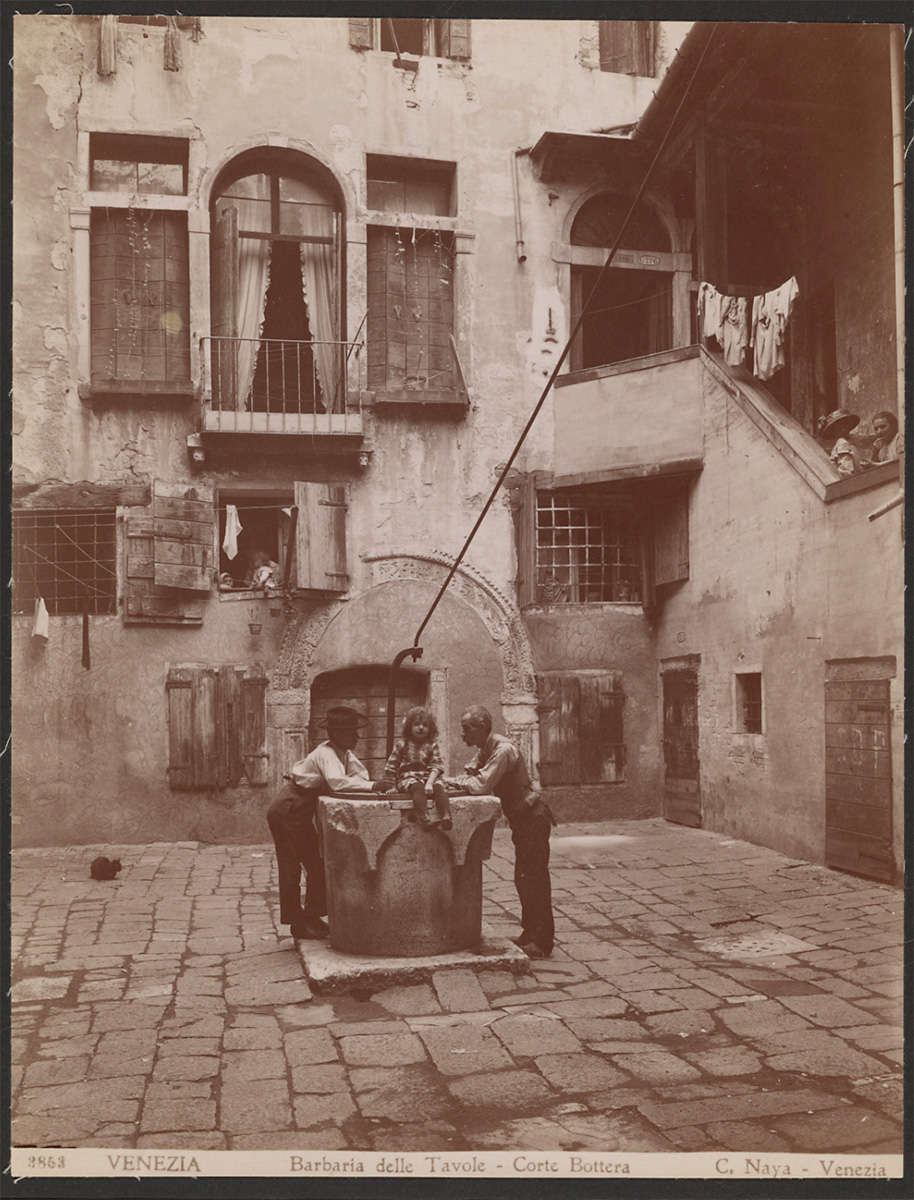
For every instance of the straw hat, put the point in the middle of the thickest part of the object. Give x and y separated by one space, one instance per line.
342 717
838 424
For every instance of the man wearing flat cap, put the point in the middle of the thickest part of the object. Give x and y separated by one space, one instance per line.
292 818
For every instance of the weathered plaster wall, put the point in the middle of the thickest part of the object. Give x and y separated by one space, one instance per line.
780 582
615 639
91 746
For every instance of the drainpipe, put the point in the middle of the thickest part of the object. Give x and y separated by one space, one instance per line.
896 71
518 227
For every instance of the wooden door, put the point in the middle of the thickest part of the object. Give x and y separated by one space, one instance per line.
365 689
858 777
681 788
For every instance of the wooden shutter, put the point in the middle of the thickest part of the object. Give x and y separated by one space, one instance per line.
320 542
671 535
179 687
600 730
645 41
146 602
525 535
254 726
455 35
361 33
580 724
216 727
617 47
560 754
224 307
183 548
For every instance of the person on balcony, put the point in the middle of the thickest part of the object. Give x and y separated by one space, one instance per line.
889 441
835 429
292 817
498 768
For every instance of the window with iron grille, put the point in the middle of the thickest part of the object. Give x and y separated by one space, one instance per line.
586 548
749 713
66 556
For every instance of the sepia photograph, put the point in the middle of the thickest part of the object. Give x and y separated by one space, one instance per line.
457 623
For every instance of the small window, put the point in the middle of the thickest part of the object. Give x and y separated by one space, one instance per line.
137 164
412 37
628 47
258 534
67 557
586 548
749 713
409 185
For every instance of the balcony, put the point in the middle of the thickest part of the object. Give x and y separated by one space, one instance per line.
275 387
630 419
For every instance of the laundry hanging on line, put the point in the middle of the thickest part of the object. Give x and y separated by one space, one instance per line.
727 320
41 625
233 527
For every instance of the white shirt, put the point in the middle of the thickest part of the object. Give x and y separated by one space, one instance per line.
325 768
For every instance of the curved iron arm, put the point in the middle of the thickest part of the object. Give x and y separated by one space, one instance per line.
409 652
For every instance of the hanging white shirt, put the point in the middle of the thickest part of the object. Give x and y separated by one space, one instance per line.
233 527
770 314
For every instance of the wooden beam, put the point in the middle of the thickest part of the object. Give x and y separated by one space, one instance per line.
53 494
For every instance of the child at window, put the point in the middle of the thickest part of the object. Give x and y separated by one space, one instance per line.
415 766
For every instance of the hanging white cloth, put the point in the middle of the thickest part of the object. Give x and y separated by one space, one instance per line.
734 320
41 624
253 280
233 527
315 218
770 314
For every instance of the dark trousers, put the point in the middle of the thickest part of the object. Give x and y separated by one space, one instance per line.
420 801
530 829
291 818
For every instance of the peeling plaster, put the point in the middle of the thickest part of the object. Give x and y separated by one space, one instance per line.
62 92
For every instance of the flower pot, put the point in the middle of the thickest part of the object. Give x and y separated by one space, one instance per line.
255 626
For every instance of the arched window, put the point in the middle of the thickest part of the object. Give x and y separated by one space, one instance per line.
276 286
630 314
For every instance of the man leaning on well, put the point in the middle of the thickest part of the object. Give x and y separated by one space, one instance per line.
498 769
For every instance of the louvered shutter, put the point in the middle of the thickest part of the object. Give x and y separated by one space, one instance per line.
525 528
320 541
361 33
183 547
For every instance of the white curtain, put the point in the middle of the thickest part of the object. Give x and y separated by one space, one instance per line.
253 280
317 262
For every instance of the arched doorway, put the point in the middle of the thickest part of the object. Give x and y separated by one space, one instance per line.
365 689
630 314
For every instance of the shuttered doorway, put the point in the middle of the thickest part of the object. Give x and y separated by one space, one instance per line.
681 785
858 775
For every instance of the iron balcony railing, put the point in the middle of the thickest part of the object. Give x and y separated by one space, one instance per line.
272 385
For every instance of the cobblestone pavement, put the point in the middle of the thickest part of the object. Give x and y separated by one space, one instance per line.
705 994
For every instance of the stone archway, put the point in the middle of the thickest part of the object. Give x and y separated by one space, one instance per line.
289 697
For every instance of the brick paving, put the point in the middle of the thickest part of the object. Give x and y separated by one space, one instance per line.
704 994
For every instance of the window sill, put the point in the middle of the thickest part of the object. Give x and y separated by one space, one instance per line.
422 398
179 389
571 607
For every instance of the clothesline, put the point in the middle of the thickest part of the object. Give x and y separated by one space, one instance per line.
58 567
82 550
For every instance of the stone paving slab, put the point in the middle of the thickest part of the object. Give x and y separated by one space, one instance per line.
704 994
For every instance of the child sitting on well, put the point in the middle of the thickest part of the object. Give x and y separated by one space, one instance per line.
415 766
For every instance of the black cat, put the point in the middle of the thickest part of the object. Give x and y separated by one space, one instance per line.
104 868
